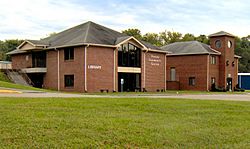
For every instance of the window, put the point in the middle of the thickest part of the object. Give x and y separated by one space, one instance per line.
69 80
213 60
191 81
212 80
69 53
129 55
172 74
218 44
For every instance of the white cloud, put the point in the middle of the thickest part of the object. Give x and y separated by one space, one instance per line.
34 19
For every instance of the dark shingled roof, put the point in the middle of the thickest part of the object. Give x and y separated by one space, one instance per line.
38 42
86 33
16 51
189 47
221 33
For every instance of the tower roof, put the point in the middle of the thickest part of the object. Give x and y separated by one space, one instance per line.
221 33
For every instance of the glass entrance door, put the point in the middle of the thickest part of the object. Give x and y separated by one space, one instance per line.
229 84
129 82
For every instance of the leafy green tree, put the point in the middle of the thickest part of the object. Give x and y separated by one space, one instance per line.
243 49
188 37
168 37
133 32
202 39
7 46
152 38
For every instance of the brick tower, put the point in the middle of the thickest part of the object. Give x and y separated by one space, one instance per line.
228 64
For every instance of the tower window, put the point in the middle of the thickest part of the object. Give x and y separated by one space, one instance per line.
229 44
218 44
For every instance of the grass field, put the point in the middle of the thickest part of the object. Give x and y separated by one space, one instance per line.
17 86
123 123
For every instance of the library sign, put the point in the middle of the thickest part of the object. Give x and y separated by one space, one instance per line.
95 67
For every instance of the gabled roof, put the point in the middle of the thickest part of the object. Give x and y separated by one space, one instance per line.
38 42
221 33
86 33
189 47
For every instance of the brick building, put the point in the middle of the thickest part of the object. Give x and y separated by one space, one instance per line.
93 58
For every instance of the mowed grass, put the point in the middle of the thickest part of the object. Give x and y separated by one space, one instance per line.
17 86
123 123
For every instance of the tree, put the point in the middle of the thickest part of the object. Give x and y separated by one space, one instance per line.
202 39
188 37
7 46
133 32
243 49
168 37
152 38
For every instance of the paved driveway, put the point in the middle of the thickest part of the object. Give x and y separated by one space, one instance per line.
39 94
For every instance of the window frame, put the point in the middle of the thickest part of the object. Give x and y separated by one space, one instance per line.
69 54
213 60
172 74
68 84
191 81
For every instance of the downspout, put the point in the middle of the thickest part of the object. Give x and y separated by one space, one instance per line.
208 72
165 70
144 70
58 69
85 68
114 85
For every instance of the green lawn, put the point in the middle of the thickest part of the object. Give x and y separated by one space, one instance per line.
17 86
123 123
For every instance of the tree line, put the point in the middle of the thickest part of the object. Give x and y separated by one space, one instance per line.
242 45
163 38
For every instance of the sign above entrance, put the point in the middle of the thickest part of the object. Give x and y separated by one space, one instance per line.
94 67
154 60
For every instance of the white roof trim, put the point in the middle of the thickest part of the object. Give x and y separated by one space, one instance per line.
24 42
214 50
243 74
124 41
81 44
182 54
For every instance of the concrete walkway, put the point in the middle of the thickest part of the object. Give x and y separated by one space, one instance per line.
40 94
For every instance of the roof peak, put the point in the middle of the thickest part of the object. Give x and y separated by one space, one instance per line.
221 33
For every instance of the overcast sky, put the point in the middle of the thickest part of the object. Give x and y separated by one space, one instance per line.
34 19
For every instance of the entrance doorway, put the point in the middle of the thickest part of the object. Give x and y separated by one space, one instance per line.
37 79
229 84
129 82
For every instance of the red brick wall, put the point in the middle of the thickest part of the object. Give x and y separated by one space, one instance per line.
20 61
103 78
97 79
73 67
226 54
154 71
214 71
189 66
50 78
235 79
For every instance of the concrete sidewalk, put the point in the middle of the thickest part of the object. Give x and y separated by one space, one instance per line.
41 94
